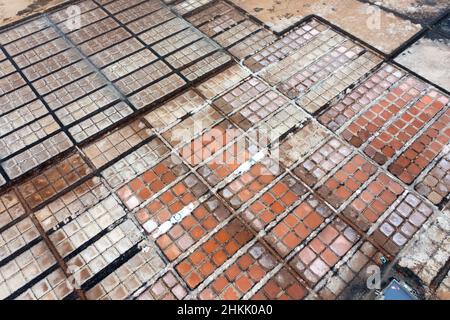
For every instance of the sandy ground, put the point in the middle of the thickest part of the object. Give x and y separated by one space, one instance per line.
427 57
13 10
424 11
379 28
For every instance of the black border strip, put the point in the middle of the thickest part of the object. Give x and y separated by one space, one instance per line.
43 43
33 282
21 250
51 57
139 33
30 85
110 268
